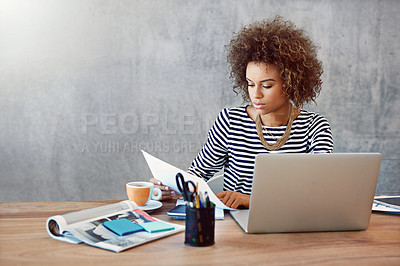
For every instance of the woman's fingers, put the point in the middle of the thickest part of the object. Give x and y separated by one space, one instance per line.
234 199
167 193
225 197
155 181
221 196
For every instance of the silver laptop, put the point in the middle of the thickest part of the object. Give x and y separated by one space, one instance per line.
311 192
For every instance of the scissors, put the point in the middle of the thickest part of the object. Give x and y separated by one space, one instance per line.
187 188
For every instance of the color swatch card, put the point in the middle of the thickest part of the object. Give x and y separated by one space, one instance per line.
122 226
158 226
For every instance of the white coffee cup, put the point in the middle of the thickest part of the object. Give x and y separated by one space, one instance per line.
141 192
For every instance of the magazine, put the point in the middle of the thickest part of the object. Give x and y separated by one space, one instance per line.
388 204
87 226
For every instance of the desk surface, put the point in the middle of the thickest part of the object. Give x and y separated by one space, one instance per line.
23 239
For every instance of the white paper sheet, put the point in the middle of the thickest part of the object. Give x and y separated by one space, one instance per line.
166 174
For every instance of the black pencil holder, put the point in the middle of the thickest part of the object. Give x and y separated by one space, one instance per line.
200 226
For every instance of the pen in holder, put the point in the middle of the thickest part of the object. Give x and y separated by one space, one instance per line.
200 226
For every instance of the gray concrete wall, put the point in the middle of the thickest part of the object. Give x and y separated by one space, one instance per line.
85 84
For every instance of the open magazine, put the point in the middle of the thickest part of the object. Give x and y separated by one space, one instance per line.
388 204
87 226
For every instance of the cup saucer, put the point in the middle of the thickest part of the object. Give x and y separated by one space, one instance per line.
151 205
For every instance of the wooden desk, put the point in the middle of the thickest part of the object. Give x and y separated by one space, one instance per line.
24 240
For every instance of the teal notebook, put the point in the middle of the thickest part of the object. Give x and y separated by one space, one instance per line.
122 227
158 226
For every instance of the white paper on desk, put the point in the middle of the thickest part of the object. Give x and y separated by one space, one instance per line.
166 174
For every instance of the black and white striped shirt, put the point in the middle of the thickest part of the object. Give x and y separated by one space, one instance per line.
233 143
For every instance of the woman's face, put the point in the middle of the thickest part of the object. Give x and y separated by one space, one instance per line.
265 88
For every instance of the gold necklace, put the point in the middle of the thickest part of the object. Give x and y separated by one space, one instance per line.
281 141
270 133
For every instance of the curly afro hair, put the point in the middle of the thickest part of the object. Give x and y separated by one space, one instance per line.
280 43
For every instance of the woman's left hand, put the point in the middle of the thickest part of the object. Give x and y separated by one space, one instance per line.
234 199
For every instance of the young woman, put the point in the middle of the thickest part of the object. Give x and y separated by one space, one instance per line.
274 67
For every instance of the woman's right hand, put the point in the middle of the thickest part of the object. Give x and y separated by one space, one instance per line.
167 192
234 199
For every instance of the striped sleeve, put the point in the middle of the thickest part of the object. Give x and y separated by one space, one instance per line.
321 136
214 153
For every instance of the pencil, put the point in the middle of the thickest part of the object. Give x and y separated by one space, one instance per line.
197 196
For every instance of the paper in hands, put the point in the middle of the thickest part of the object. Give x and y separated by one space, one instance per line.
166 174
